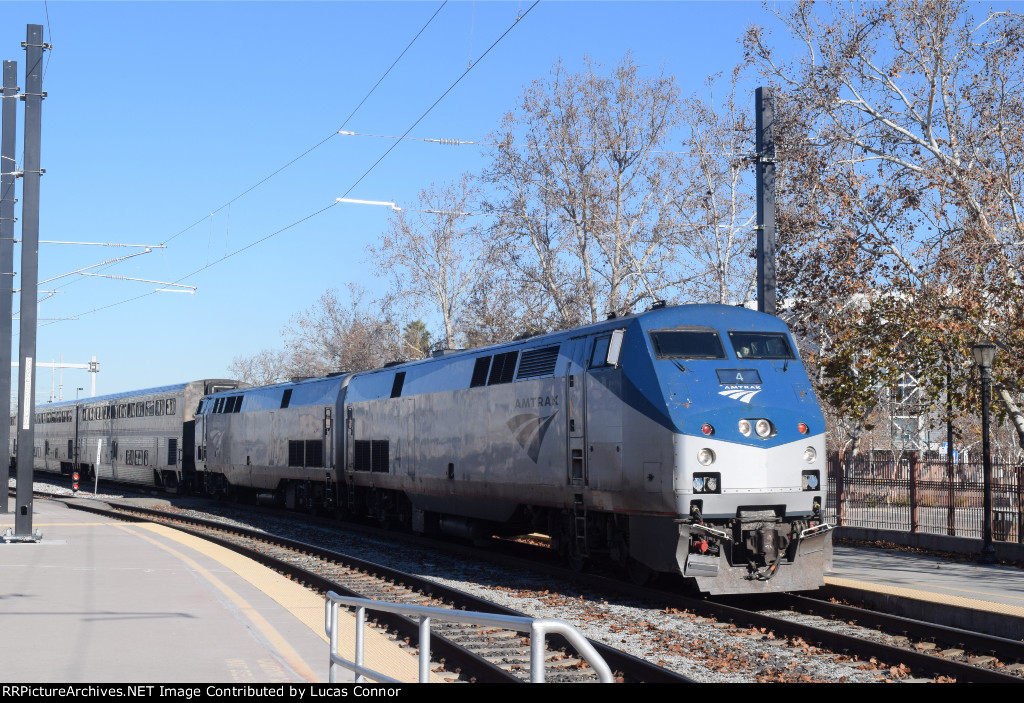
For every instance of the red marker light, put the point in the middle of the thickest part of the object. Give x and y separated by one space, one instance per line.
707 429
803 428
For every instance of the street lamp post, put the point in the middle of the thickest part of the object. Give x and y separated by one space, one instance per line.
984 354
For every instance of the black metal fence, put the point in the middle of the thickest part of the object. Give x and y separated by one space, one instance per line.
924 495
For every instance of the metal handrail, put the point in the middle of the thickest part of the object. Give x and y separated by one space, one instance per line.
539 629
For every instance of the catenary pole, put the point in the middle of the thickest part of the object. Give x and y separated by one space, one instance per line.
8 137
33 98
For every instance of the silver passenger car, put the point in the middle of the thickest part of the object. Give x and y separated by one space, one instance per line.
143 437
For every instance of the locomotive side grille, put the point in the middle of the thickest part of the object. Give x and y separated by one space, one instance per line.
381 455
296 453
363 455
538 362
172 451
503 369
314 453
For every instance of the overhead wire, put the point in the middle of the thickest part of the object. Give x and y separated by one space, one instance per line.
328 137
46 8
523 216
443 95
310 149
567 147
336 202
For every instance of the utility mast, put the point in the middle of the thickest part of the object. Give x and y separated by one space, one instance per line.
33 98
8 132
765 125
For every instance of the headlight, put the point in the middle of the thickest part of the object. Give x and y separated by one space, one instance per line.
706 457
745 428
810 480
763 428
810 455
707 483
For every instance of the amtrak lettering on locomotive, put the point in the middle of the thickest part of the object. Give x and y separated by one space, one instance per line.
683 439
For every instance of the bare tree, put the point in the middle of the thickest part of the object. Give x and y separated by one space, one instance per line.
263 368
435 253
336 335
902 147
583 179
503 306
712 201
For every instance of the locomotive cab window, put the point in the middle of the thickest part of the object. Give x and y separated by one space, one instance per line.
607 349
761 345
600 353
694 343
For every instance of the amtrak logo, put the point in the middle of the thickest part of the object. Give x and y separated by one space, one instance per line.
529 430
741 393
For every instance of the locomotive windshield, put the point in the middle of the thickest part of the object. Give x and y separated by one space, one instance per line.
687 344
761 345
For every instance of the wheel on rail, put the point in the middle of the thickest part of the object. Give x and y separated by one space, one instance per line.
576 561
638 573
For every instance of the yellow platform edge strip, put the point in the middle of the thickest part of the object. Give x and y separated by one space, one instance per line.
380 652
941 598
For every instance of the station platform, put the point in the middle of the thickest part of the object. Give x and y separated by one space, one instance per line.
99 600
954 592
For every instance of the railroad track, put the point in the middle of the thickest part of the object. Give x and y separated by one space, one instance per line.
907 660
919 647
471 653
977 649
924 649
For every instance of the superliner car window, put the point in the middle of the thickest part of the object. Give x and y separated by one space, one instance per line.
687 344
761 345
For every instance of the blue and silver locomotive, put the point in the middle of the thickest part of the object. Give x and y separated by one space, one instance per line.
683 439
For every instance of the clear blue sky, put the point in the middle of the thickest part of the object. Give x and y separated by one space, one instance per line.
158 114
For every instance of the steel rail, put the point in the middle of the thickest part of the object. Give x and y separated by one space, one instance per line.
1000 647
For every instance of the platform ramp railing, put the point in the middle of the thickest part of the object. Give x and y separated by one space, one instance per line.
538 629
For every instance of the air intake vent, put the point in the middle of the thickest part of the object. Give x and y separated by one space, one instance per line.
503 368
538 362
380 456
480 369
363 458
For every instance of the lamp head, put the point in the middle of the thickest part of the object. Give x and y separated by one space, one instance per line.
984 353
